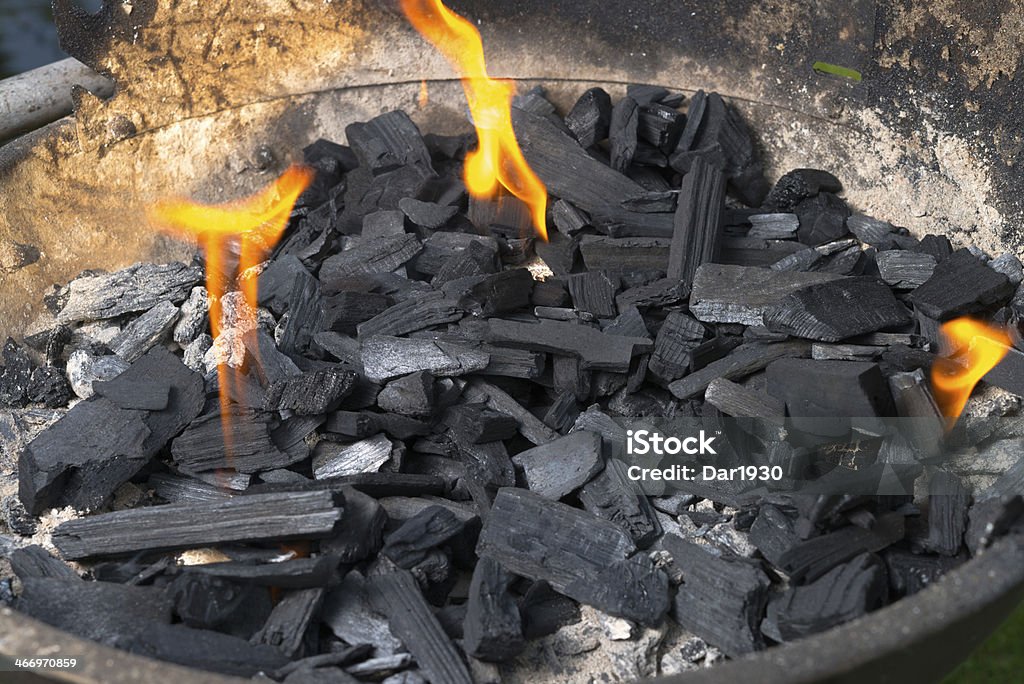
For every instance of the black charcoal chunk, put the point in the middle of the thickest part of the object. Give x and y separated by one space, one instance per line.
426 214
370 256
385 357
362 534
798 185
35 561
287 624
385 223
910 572
348 614
624 254
836 310
277 280
305 316
480 424
661 292
145 331
498 400
960 284
388 142
49 386
696 237
311 393
773 533
297 573
500 293
594 293
590 117
345 310
136 288
239 441
822 219
596 350
660 126
903 269
211 602
808 560
204 649
677 340
476 260
492 629
415 313
331 459
410 544
773 226
411 395
739 363
557 468
567 218
622 133
734 399
816 389
948 501
742 294
633 588
614 497
15 376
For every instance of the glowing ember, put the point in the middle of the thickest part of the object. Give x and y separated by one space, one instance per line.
424 97
498 159
978 348
254 224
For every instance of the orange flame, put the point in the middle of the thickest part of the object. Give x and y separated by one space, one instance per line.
977 349
254 223
497 159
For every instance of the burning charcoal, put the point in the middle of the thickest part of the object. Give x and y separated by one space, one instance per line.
594 293
622 133
596 350
798 185
742 294
613 497
426 214
411 395
286 626
493 628
541 539
773 533
277 281
697 234
361 535
385 358
829 389
903 269
624 254
567 218
558 252
960 284
333 460
49 386
388 142
842 594
808 560
201 447
81 459
663 292
948 501
739 363
35 561
310 393
836 310
660 126
722 598
555 469
475 260
397 595
631 588
502 292
412 315
177 526
195 352
369 256
136 288
677 339
734 399
590 117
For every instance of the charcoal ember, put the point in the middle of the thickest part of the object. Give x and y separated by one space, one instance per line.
842 594
287 624
611 495
722 598
567 218
742 294
381 255
596 350
773 533
910 572
594 293
632 588
345 310
493 629
333 460
948 502
501 292
660 126
311 393
388 142
903 269
661 292
254 517
49 386
835 310
590 118
992 518
960 284
475 260
555 469
136 288
624 254
810 559
559 252
396 595
34 562
678 338
348 614
202 446
798 185
411 395
361 536
82 458
622 133
207 601
742 361
480 424
203 649
411 315
385 358
15 376
427 215
696 237
544 611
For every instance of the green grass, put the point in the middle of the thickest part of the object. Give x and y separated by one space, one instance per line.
999 659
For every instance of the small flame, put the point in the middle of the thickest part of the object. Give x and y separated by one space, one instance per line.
497 159
424 97
254 223
977 349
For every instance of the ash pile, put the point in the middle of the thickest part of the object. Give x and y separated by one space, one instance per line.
421 481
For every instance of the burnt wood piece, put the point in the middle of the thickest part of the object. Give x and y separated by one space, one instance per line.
544 611
938 246
298 573
913 398
741 294
834 390
773 226
287 624
722 597
305 316
629 323
411 315
82 458
348 614
990 519
441 246
557 468
655 201
381 255
660 126
545 540
810 559
410 544
136 288
311 393
739 363
594 293
632 588
204 649
427 215
501 292
842 594
269 364
492 628
678 338
481 424
562 413
345 310
646 94
181 489
662 292
871 231
845 352
410 395
596 350
602 253
334 460
798 185
910 572
361 535
385 357
360 424
822 219
291 515
385 223
144 332
388 142
202 446
397 595
611 495
903 269
622 133
558 252
836 310
740 401
948 502
590 117
475 260
773 533
960 284
570 173
697 232
567 375
568 219
276 282
1009 372
35 561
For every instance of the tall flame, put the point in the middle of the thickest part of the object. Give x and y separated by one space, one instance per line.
255 224
497 159
977 349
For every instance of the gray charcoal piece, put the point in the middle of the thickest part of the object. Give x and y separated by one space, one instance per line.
84 369
597 350
312 393
594 293
136 288
677 340
948 503
697 233
332 460
492 629
411 395
1010 266
381 255
632 588
145 331
388 142
413 314
960 284
348 614
870 231
417 537
426 214
286 627
662 292
567 218
557 468
724 293
530 427
739 363
734 399
201 447
193 317
903 269
773 226
196 351
612 496
384 223
385 357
